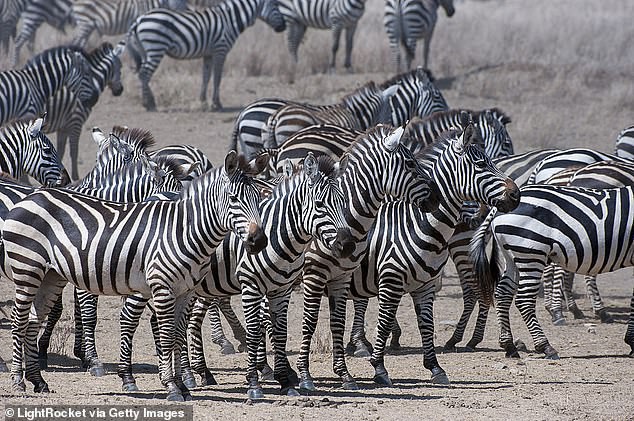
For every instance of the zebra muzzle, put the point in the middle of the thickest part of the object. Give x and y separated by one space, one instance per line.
344 244
256 240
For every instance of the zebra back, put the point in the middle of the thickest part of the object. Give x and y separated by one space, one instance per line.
600 175
25 149
624 147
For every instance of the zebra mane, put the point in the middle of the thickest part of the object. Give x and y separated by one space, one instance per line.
369 87
140 139
497 114
371 136
412 74
171 165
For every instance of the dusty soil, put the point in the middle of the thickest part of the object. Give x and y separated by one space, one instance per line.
594 379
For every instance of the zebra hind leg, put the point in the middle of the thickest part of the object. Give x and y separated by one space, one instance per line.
359 346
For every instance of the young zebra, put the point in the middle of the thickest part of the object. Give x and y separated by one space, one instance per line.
67 113
416 95
624 147
54 12
24 92
407 248
360 110
111 17
336 15
585 231
407 21
208 34
25 149
142 253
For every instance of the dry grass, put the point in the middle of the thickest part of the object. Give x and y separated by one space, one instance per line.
62 336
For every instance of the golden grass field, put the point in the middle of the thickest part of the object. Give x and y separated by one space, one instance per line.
561 69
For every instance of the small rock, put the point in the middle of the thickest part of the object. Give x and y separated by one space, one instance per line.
499 366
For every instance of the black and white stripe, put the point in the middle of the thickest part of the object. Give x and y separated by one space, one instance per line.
10 11
625 143
208 34
407 21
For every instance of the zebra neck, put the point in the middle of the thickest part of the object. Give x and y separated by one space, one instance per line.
240 13
287 211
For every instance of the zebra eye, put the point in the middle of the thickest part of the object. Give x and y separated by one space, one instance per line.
319 203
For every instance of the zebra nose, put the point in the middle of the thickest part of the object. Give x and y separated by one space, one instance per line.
64 178
256 240
344 243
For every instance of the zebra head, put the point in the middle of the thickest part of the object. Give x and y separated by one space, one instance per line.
105 63
328 222
429 99
448 6
80 80
41 160
270 13
464 172
492 126
168 174
240 194
381 164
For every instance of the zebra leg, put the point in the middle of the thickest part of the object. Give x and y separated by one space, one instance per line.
62 137
410 52
73 143
218 64
469 300
79 349
570 298
547 282
478 331
251 299
148 67
283 373
525 302
45 339
196 349
87 303
426 44
129 316
83 30
337 301
629 334
295 34
359 346
597 303
395 342
336 36
313 290
388 304
182 309
556 307
224 304
266 372
423 299
217 333
349 43
504 293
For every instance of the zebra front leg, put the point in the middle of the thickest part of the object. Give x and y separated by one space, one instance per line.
218 64
359 346
196 349
336 36
87 302
45 338
337 301
182 310
283 373
525 302
266 372
423 299
251 298
129 316
388 304
145 74
313 290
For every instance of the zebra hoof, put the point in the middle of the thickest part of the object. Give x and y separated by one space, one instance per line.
604 316
450 346
551 353
439 377
255 393
511 351
41 387
382 380
3 367
266 374
43 363
471 346
307 383
242 347
520 345
175 396
208 379
395 347
130 387
18 384
188 379
97 370
576 313
558 318
290 391
349 383
227 348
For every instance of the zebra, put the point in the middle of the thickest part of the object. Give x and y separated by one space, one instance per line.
142 254
10 11
337 15
25 149
111 17
582 230
54 12
209 33
407 248
416 95
362 109
67 113
192 160
407 21
24 92
624 147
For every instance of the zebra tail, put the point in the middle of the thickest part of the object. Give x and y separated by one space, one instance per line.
485 272
135 47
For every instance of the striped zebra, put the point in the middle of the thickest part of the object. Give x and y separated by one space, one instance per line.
54 12
416 95
142 253
582 230
192 160
10 11
336 15
360 110
624 147
407 21
407 248
67 113
24 92
25 149
208 34
111 17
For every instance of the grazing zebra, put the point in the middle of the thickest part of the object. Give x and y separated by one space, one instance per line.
360 110
585 231
54 12
67 113
142 253
337 15
407 248
25 149
416 95
625 143
111 17
209 33
24 92
407 21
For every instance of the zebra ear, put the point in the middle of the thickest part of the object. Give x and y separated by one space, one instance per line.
311 168
342 165
392 140
288 168
35 127
389 91
260 163
231 163
98 137
194 169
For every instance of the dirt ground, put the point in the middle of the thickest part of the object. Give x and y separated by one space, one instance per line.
594 379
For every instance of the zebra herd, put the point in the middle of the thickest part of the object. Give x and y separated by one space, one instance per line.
366 197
